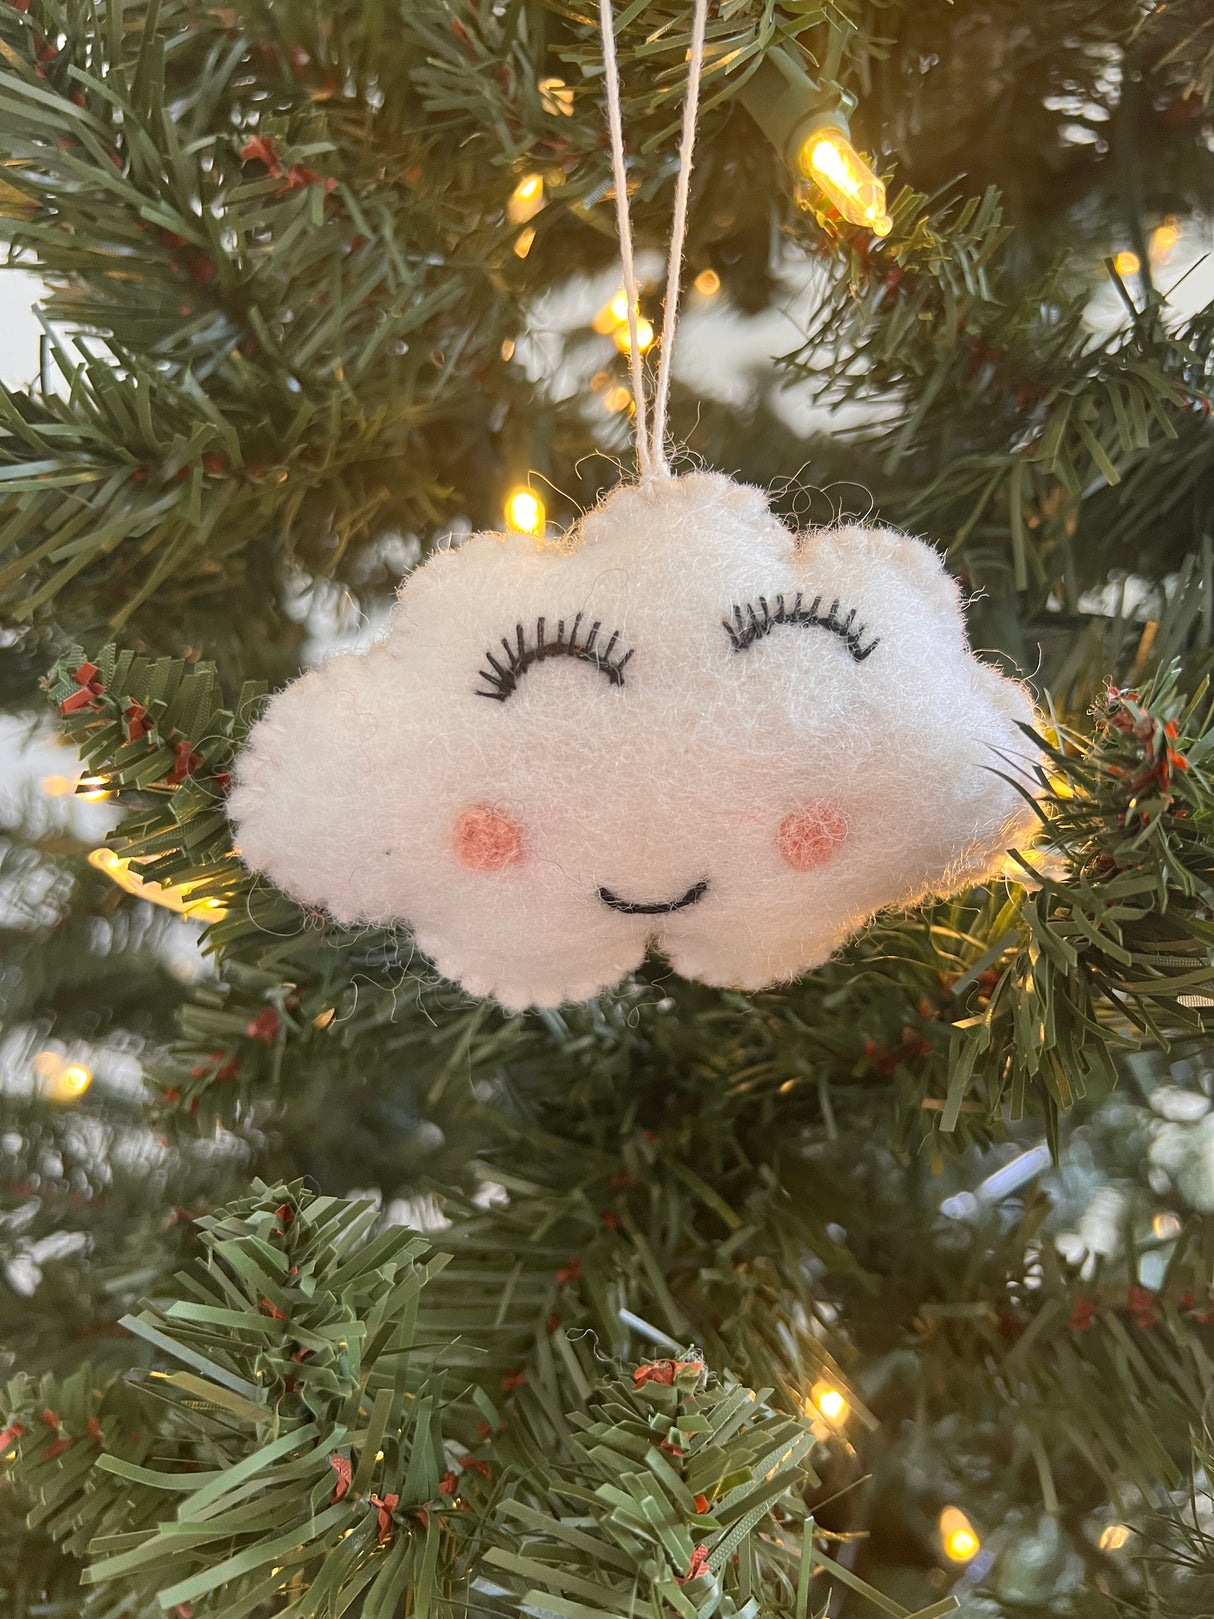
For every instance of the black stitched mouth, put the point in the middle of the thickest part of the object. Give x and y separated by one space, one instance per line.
632 908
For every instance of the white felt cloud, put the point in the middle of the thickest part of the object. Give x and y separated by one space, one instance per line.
686 727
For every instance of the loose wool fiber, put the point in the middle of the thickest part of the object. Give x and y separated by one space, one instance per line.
778 789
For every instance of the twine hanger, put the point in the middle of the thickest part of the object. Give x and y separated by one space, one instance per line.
651 451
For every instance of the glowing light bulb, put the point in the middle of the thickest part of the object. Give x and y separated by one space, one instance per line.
112 864
522 244
92 787
1126 263
1114 1536
830 159
556 98
831 1403
70 1083
121 871
56 786
958 1535
206 910
616 400
611 314
1165 1226
623 337
508 349
707 283
1165 237
525 512
526 199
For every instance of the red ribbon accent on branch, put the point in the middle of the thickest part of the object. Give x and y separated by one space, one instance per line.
7 1435
699 1561
138 724
345 1472
664 1371
187 762
261 149
386 1505
264 1026
90 687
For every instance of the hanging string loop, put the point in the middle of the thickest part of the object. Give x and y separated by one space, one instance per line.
678 233
623 219
651 454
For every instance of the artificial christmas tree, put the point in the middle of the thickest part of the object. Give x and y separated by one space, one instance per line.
329 1290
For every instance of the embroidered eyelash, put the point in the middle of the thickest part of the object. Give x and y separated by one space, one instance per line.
750 626
506 673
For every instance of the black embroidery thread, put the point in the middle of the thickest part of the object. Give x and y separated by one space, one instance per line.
503 677
631 907
750 626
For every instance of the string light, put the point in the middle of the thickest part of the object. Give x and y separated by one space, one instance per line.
526 199
92 787
612 315
960 1539
1165 237
1114 1536
1165 1225
623 337
522 244
616 400
829 1401
62 1081
556 98
707 283
121 871
807 125
525 511
56 786
508 349
1126 263
72 1082
829 159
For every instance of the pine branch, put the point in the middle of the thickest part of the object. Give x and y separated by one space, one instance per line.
1020 421
1117 949
299 1439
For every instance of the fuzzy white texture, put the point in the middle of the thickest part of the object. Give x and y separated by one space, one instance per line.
350 790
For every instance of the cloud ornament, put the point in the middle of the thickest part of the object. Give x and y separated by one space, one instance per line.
682 727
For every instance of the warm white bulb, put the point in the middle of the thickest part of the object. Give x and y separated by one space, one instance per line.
958 1535
623 336
526 199
830 159
525 512
70 1082
1114 1536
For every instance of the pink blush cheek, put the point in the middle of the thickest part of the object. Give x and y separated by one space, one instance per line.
809 837
486 839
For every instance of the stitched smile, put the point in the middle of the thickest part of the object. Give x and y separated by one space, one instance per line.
631 908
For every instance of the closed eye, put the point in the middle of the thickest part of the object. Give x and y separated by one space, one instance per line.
522 653
751 623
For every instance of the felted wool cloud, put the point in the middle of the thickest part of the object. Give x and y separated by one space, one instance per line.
684 727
